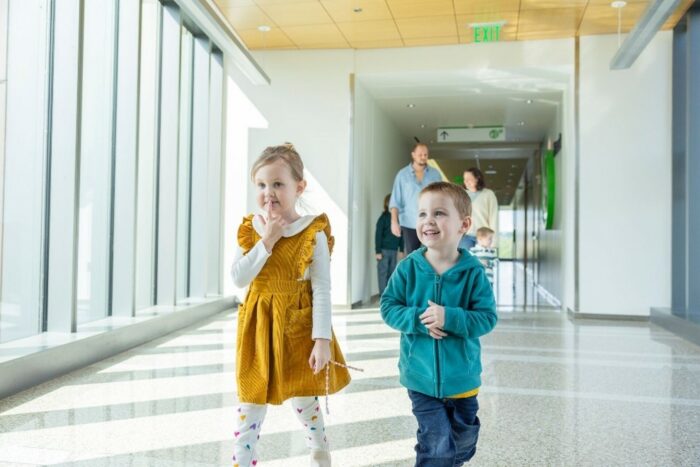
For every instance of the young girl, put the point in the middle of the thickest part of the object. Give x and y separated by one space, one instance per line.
284 338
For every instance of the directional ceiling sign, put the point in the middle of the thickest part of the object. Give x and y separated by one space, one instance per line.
471 135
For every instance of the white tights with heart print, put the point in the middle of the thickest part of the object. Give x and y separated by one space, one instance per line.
249 419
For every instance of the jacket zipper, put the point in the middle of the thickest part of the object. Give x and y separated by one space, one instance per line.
437 343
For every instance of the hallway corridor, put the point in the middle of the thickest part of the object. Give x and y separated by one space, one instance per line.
555 392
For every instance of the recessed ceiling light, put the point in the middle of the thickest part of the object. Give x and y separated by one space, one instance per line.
422 125
514 165
491 172
618 4
529 101
410 106
490 167
357 10
264 28
521 123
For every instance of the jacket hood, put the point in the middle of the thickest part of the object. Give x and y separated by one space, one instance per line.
465 262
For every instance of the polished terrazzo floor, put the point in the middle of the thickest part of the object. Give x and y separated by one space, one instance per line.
556 392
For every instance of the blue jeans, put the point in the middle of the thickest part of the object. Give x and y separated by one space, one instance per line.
447 430
385 267
467 242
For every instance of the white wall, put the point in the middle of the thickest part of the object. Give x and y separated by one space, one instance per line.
624 143
308 104
567 180
625 204
495 60
379 151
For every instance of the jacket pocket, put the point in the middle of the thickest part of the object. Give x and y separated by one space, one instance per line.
455 357
421 356
298 322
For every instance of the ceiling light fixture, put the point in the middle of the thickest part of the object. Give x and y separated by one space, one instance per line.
410 106
521 123
422 125
264 28
529 101
619 5
643 32
357 10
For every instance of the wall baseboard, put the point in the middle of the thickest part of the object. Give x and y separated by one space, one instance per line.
614 317
688 330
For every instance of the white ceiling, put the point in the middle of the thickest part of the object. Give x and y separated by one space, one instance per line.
457 100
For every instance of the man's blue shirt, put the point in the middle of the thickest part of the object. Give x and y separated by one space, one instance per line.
404 195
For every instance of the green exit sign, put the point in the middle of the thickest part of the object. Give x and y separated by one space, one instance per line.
487 32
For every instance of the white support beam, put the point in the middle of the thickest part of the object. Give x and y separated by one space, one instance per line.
648 25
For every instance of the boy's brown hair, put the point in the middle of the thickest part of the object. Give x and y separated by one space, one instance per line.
456 193
482 232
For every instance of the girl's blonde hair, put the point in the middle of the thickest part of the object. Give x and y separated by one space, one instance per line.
284 152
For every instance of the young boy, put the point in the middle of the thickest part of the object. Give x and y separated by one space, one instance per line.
485 251
440 300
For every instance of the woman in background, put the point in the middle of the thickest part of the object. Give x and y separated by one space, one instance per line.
484 207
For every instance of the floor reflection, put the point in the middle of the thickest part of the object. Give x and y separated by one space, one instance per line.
556 392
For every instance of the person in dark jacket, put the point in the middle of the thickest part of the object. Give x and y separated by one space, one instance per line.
386 245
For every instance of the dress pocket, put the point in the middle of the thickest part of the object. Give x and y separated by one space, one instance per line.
240 324
299 322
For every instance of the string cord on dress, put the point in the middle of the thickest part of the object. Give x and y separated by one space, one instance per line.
328 378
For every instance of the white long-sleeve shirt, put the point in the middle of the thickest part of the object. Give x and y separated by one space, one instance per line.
484 212
246 267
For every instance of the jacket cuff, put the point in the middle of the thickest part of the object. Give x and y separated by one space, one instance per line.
418 326
455 320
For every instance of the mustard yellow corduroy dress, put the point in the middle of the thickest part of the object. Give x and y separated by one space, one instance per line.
274 323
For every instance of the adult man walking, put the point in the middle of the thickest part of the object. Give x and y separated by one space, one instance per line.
404 196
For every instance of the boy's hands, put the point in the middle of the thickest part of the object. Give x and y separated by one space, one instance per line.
274 226
320 355
433 318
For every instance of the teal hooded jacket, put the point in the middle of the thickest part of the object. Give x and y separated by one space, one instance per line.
451 365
